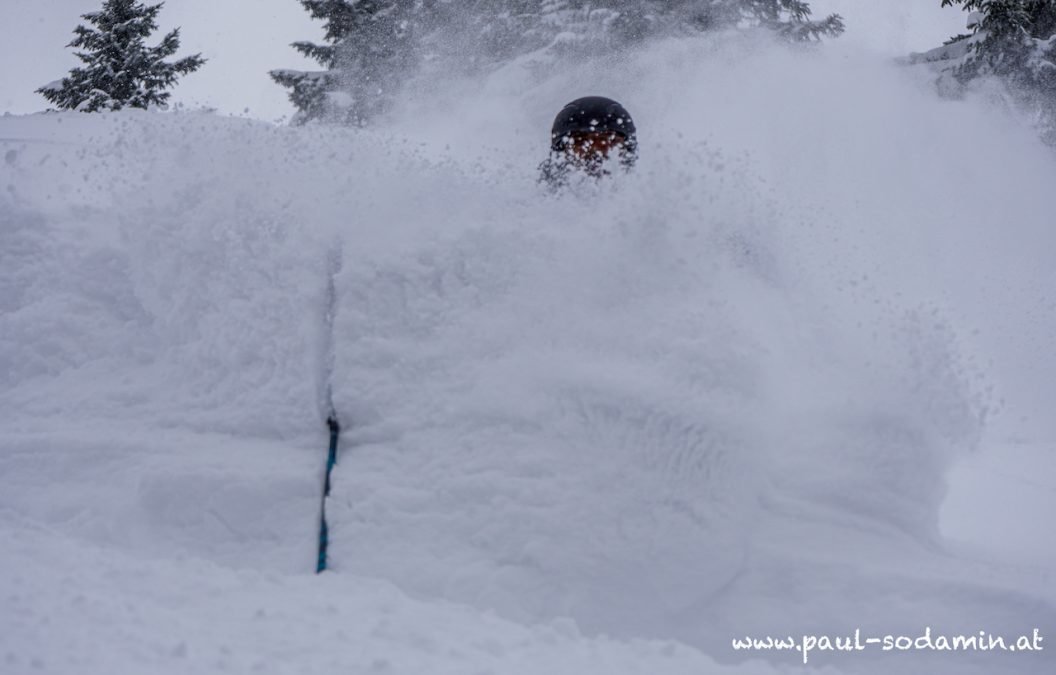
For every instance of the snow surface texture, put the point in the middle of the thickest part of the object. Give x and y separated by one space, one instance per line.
606 431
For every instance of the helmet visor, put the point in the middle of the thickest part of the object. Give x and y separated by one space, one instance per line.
593 144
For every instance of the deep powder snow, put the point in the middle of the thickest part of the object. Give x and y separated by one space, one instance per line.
719 396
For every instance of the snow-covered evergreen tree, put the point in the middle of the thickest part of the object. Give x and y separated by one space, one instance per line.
616 24
1013 41
372 46
120 70
789 18
369 45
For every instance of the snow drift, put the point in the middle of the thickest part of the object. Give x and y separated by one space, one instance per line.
717 397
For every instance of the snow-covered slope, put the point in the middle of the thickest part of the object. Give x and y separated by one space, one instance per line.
719 397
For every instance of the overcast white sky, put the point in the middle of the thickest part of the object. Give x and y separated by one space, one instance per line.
243 39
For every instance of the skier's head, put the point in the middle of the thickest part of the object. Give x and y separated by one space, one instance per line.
592 130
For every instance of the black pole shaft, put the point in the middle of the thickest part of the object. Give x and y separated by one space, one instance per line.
331 459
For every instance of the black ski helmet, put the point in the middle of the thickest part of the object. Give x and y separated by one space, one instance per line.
593 113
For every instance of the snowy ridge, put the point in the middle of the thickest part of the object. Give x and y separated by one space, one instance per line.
275 624
717 397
